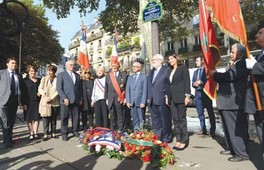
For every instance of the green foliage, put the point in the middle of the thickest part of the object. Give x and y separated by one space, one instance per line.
120 14
108 51
123 14
252 10
136 42
39 42
62 7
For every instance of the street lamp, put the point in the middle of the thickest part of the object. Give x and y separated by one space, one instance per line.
20 48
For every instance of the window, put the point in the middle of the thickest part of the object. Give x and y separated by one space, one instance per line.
99 43
197 40
184 43
170 46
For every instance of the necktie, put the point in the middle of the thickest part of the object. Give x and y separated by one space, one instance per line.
154 75
135 77
72 77
13 84
198 74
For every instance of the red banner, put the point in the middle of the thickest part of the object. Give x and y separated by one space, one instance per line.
228 16
209 47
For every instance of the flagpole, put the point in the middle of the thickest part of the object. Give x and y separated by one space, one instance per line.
205 23
255 87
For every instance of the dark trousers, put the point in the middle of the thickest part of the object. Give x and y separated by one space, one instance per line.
8 118
161 121
259 121
65 112
236 131
87 118
203 101
180 122
52 121
100 109
117 115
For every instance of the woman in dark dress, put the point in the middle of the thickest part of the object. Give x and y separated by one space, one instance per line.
87 110
32 101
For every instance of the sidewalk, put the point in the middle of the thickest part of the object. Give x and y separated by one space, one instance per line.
202 154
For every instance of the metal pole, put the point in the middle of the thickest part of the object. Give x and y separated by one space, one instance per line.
155 38
20 51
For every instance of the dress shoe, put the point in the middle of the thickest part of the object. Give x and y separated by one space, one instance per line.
45 139
201 133
237 158
54 136
8 145
212 135
76 134
225 152
180 148
64 138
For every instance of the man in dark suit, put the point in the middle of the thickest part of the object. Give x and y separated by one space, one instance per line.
258 72
201 99
157 90
136 95
69 88
230 103
115 96
10 87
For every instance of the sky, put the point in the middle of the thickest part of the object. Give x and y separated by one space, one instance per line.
67 27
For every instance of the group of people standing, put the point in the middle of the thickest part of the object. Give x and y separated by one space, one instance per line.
110 98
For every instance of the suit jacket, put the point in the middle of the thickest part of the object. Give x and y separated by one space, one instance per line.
67 89
158 89
5 83
110 93
202 78
136 90
258 73
232 86
50 90
180 84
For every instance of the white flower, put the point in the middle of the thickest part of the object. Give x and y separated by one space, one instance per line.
109 147
97 148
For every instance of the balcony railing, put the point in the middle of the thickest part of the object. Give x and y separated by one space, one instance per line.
95 36
197 47
183 50
74 45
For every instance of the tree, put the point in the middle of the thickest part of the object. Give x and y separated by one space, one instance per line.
123 14
40 43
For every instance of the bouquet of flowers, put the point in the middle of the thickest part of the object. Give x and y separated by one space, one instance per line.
145 145
102 141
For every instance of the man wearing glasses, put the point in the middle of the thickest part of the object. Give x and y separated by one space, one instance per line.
157 90
136 95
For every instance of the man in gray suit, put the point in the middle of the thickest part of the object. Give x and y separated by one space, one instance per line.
136 95
10 87
230 103
70 91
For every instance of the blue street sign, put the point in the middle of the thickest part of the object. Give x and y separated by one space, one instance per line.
152 11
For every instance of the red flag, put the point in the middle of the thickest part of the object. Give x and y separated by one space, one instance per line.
83 58
228 16
209 47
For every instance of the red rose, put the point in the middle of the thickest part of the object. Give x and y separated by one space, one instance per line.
146 158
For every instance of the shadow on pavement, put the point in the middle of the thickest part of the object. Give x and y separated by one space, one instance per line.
8 163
